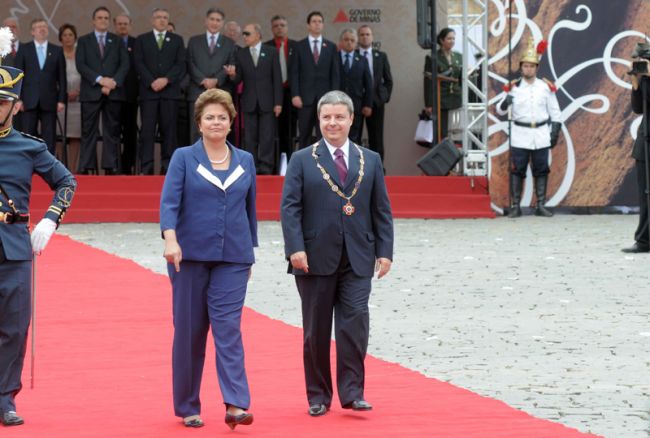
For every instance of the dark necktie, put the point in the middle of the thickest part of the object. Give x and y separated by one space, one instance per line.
213 44
340 165
347 62
101 46
316 52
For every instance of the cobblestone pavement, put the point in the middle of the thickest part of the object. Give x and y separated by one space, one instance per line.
546 315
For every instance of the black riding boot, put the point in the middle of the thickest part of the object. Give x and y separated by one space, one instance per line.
540 191
516 184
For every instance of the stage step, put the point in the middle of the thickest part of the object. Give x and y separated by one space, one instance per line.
137 198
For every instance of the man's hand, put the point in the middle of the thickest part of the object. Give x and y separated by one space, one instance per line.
73 95
299 261
505 103
366 111
42 234
108 83
296 101
159 84
277 110
209 83
106 91
382 266
230 70
60 107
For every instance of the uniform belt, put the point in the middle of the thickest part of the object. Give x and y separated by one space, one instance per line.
13 218
532 124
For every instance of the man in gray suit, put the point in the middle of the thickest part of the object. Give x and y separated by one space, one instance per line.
338 230
207 54
258 66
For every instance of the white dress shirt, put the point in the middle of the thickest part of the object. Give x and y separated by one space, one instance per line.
532 103
216 38
319 44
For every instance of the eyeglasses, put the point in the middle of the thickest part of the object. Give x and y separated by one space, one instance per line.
246 33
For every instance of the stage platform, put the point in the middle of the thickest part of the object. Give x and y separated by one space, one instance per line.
137 198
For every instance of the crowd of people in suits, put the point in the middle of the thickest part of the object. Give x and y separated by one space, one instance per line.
133 92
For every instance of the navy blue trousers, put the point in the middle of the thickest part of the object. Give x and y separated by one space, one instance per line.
519 159
208 294
15 312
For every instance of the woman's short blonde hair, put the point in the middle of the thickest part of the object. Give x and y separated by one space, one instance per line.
214 96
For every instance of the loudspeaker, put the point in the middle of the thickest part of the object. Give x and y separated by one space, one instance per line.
440 159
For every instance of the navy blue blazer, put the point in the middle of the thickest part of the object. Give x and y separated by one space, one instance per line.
357 82
42 89
214 220
152 63
313 219
90 64
22 156
311 80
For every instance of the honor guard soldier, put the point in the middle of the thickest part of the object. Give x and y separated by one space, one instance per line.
21 156
535 114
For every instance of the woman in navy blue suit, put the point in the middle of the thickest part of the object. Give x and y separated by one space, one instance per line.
207 218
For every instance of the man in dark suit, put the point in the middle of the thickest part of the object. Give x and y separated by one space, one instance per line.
382 88
286 48
355 81
129 111
338 230
207 54
160 63
314 72
102 62
45 86
259 67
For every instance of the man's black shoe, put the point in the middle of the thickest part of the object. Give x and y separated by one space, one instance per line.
11 419
318 409
636 248
358 405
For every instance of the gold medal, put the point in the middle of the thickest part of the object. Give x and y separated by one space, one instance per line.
348 208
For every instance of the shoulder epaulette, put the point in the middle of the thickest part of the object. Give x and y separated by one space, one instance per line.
512 84
32 137
550 84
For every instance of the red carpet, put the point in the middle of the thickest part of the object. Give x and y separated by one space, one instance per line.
103 370
137 198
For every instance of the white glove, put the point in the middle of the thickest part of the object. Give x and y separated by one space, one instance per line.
42 234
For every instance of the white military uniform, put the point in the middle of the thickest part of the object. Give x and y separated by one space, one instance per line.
532 103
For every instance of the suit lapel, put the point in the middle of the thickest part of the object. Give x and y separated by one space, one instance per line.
325 159
376 63
353 167
204 168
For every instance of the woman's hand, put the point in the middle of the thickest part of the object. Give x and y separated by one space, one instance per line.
173 253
